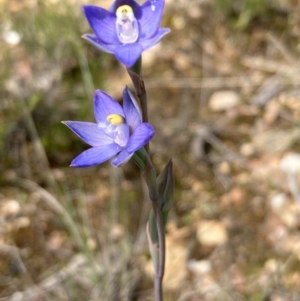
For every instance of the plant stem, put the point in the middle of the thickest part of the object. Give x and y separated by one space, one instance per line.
135 73
150 178
159 273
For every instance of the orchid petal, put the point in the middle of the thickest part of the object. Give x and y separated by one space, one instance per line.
103 23
105 105
89 133
128 54
149 17
96 155
122 158
154 40
132 110
92 39
141 136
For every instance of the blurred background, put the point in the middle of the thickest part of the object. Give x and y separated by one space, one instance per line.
224 98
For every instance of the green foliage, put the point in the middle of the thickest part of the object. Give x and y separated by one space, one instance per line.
52 51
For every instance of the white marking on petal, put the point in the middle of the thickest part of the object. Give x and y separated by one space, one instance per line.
121 134
126 25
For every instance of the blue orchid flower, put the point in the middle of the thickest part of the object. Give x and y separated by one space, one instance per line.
126 29
118 133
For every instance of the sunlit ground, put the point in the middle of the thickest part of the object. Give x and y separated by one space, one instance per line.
224 98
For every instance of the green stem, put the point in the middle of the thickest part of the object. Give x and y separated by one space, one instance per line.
159 274
137 67
150 178
135 73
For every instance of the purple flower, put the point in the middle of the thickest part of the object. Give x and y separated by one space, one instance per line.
118 133
127 29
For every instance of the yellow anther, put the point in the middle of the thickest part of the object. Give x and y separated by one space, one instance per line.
115 119
124 11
